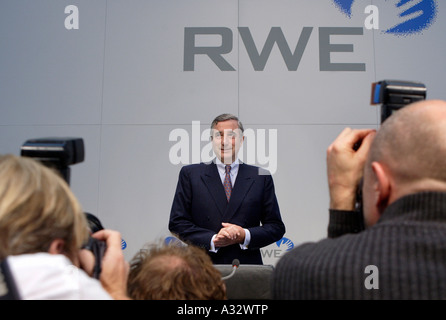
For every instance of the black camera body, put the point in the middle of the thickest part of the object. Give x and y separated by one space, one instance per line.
98 248
57 153
393 95
396 94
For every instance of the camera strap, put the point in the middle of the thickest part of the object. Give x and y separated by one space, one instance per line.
8 288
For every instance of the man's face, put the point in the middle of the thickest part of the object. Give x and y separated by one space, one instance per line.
227 139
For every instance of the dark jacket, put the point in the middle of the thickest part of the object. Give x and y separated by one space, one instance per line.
200 206
406 249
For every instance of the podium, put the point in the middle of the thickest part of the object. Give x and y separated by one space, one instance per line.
249 282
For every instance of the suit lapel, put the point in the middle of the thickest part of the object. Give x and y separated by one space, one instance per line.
241 187
212 181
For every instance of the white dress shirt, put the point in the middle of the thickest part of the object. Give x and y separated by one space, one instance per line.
233 173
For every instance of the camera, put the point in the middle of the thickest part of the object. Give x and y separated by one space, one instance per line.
98 248
396 94
56 153
59 154
393 95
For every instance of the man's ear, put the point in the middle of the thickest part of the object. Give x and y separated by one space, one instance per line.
383 186
57 246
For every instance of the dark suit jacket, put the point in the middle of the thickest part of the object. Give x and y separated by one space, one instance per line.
200 206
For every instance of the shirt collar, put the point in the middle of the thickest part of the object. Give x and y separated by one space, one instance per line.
234 165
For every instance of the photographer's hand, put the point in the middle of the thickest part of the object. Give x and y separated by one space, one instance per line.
346 158
115 269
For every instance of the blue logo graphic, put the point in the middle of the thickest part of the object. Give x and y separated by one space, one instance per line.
287 243
424 14
123 244
174 241
345 6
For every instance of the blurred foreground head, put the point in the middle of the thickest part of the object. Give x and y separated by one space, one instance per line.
37 207
169 272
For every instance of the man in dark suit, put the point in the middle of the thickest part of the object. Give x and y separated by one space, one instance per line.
227 207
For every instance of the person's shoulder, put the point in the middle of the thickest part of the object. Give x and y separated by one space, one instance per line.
255 170
326 249
43 276
196 167
40 259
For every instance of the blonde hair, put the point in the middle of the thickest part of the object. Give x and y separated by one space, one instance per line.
37 207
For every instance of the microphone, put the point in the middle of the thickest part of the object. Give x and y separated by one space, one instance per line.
235 265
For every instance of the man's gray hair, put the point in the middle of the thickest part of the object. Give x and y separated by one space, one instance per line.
225 117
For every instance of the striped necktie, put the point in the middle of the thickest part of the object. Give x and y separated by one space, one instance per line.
227 183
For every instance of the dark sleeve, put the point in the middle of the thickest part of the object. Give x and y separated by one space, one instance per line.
272 228
181 222
343 222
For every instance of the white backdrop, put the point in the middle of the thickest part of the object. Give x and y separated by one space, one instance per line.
140 79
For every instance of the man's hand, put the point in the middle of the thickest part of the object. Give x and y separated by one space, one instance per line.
228 235
346 158
115 269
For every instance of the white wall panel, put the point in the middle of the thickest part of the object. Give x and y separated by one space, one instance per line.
84 176
144 78
306 95
50 75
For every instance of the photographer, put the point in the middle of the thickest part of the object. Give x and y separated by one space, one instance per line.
396 248
42 230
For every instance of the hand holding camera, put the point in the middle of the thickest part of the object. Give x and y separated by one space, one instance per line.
115 268
347 155
346 158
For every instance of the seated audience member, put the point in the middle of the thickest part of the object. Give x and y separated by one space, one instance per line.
396 249
170 272
42 229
